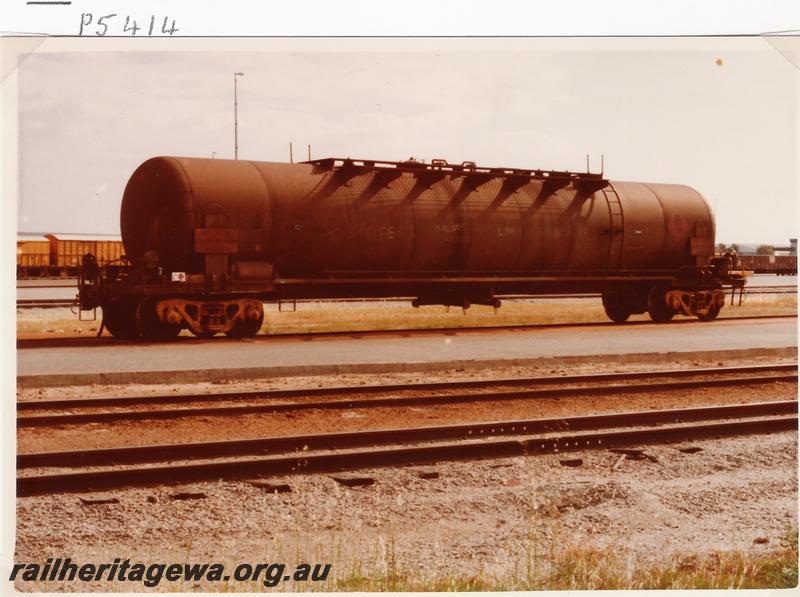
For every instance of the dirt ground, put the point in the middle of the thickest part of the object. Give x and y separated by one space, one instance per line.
495 519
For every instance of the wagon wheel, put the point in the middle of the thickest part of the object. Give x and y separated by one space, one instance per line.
150 326
711 315
247 328
204 335
616 308
119 318
617 313
657 306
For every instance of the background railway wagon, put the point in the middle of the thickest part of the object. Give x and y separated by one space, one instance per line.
60 256
782 265
33 255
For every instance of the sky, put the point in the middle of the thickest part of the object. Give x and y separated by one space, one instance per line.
720 116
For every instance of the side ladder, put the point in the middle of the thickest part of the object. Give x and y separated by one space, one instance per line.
616 227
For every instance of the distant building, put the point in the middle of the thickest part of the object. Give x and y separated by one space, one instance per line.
790 250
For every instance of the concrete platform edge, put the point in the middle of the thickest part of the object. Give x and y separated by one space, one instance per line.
211 375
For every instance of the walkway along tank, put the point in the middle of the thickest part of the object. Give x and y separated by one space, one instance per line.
208 241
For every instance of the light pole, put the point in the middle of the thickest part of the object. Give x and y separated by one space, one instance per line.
236 116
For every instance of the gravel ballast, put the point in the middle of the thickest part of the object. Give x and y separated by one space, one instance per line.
491 516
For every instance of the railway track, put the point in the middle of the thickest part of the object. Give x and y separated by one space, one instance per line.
45 303
80 411
89 341
89 470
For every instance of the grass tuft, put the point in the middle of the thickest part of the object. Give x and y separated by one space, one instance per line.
597 569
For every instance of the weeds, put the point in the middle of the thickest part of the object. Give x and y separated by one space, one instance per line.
592 569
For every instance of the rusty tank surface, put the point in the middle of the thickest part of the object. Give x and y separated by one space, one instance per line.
207 241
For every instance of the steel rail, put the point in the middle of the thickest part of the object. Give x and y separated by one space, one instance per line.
265 395
72 283
45 303
429 400
349 439
772 287
293 454
760 291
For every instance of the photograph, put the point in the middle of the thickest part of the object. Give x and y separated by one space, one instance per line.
348 314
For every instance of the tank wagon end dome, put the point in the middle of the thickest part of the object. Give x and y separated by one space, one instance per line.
157 201
670 223
168 197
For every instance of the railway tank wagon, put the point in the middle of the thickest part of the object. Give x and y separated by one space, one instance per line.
207 241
